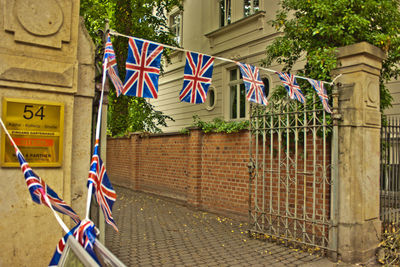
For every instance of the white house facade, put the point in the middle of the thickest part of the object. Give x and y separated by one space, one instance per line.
233 29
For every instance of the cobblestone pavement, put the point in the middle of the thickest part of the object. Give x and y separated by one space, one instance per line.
158 232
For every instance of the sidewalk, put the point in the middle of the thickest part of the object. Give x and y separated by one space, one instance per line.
158 232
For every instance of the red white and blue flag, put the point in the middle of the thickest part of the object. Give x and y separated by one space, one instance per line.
253 84
112 68
319 88
38 189
84 233
142 69
197 78
103 190
289 81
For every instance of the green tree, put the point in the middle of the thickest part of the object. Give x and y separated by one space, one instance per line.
314 29
140 18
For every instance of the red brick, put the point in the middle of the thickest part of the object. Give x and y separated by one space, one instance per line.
210 170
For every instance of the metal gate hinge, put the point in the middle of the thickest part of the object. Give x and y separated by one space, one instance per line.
251 166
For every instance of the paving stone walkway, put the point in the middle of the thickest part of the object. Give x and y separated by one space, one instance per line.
159 232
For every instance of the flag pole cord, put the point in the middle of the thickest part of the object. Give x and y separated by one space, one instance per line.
112 32
58 218
90 188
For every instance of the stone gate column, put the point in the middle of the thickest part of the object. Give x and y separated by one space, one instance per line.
359 227
194 165
46 56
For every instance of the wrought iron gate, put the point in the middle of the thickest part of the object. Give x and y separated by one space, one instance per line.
290 187
390 173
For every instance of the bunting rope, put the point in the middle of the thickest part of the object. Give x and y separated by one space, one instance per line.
90 189
58 218
112 32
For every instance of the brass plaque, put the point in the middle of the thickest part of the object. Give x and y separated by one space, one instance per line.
37 128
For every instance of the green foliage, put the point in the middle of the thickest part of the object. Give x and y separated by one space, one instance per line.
184 131
218 125
95 13
140 117
140 18
313 30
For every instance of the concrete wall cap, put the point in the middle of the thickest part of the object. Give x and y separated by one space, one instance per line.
361 48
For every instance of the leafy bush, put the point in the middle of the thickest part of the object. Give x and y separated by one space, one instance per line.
313 30
218 125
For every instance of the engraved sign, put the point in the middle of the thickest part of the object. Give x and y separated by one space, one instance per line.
37 129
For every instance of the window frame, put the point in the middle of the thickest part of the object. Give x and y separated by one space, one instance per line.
225 14
210 107
239 84
253 9
178 26
268 77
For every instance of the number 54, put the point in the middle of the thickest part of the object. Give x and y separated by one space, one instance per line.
29 112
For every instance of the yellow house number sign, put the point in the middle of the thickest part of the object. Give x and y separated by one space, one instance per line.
37 129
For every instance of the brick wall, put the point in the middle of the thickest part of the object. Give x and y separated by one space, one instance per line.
120 157
163 162
155 164
225 175
206 170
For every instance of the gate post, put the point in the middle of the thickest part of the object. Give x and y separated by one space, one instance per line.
194 165
46 57
359 227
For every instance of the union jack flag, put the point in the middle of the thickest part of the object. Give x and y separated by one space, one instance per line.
84 233
112 68
103 190
319 87
253 84
197 78
38 189
142 69
289 81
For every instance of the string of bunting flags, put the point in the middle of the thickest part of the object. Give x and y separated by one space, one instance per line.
112 68
85 234
143 70
141 80
98 183
39 191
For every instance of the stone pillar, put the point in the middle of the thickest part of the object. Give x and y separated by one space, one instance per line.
359 227
81 136
135 145
45 55
194 162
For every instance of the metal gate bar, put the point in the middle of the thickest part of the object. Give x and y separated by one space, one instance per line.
290 183
390 171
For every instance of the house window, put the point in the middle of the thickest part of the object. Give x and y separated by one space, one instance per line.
225 11
237 93
211 98
251 7
175 27
266 86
